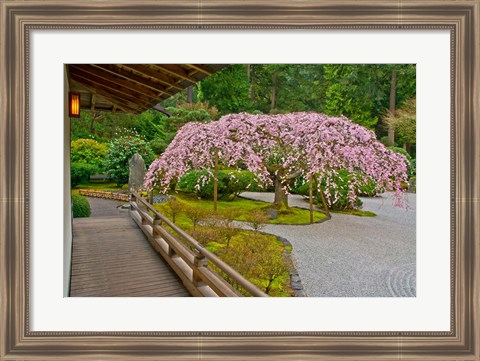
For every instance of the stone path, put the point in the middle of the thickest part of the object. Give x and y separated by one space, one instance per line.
107 208
351 256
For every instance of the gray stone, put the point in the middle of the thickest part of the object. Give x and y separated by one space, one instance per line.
272 213
137 170
161 198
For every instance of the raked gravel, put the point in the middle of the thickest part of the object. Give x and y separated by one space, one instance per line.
352 256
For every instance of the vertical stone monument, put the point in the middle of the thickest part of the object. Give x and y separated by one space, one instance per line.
136 166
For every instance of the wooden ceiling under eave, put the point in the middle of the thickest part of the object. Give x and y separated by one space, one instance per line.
133 88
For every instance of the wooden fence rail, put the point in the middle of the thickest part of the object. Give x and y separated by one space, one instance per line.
188 258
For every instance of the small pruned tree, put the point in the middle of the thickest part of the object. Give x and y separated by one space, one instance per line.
257 220
174 208
259 258
196 215
226 225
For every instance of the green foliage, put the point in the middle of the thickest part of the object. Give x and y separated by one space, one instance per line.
260 259
368 188
230 183
404 122
227 90
174 207
339 189
182 114
196 214
361 92
257 220
88 151
81 172
239 209
80 207
120 151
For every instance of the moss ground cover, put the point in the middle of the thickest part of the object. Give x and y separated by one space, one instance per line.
243 208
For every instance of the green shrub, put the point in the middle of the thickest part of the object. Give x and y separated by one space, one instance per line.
88 151
80 173
338 198
80 207
119 153
368 188
230 183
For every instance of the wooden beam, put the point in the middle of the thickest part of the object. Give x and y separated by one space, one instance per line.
126 106
177 71
129 75
200 69
162 110
134 97
148 72
127 84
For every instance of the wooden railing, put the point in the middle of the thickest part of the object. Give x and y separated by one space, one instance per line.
186 256
105 194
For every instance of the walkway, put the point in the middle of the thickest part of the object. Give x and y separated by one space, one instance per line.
351 256
111 257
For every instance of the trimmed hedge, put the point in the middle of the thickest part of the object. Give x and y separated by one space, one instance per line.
368 189
80 207
230 183
81 172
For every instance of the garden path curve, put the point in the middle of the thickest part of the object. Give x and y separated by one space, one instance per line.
352 256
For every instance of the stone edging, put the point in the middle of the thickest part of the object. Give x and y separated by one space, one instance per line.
105 194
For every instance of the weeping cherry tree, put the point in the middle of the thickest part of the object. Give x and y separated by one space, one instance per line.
279 148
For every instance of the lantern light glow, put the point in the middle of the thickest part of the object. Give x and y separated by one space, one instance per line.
74 105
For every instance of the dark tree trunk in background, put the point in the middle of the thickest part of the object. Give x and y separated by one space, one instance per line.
190 95
274 92
250 82
393 96
95 117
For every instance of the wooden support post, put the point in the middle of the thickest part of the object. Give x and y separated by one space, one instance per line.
198 261
311 198
156 222
215 182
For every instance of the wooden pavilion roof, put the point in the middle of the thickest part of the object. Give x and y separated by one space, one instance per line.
133 88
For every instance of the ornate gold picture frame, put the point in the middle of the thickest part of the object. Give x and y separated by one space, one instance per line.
18 18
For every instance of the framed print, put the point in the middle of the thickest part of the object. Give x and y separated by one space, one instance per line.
45 44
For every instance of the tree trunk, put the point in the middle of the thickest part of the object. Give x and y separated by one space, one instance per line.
393 96
311 199
190 95
274 92
95 117
250 82
215 182
281 199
